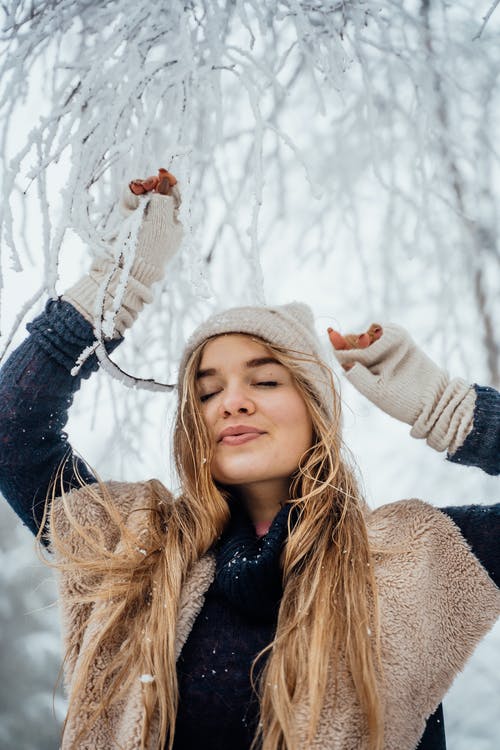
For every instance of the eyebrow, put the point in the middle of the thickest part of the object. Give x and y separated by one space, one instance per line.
257 362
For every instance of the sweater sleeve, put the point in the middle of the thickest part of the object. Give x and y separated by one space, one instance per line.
480 527
482 445
36 391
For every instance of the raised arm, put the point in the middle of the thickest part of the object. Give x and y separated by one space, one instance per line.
390 370
36 391
36 384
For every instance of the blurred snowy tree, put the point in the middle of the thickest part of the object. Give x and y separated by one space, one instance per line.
30 708
340 152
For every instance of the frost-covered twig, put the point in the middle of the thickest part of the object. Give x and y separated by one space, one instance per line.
147 384
486 18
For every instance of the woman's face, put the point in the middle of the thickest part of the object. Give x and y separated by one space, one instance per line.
255 414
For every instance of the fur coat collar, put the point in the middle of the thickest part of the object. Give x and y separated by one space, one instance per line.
436 603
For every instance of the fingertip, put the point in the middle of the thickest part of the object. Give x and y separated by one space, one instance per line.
150 183
163 186
165 174
136 187
336 339
375 331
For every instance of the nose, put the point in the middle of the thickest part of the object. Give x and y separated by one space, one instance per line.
236 400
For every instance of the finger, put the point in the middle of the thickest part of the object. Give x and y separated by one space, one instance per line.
352 340
375 331
166 181
150 183
364 340
137 187
163 186
338 341
347 366
164 173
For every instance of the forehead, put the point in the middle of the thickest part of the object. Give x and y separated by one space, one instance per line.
231 348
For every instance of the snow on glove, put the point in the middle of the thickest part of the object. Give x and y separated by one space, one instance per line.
158 240
403 381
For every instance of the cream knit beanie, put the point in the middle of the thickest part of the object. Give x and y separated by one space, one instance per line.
289 326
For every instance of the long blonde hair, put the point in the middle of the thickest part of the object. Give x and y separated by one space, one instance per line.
328 611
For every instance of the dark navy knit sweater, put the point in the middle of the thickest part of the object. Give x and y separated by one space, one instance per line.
217 708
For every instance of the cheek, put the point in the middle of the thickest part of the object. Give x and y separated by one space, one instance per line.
300 439
209 416
295 424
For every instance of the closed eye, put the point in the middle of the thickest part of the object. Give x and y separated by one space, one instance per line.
266 383
206 396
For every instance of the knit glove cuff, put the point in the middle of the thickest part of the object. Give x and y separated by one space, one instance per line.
159 238
404 382
84 295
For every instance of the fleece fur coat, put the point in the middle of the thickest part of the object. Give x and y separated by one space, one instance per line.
436 603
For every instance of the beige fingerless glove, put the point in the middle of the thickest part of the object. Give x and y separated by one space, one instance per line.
404 382
158 240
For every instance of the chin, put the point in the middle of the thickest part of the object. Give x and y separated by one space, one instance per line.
234 479
245 475
239 475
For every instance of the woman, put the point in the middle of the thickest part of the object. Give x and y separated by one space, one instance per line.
269 568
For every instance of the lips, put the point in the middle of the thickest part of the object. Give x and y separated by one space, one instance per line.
239 439
238 434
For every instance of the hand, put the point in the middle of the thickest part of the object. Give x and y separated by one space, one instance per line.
387 367
158 240
161 231
165 183
354 340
